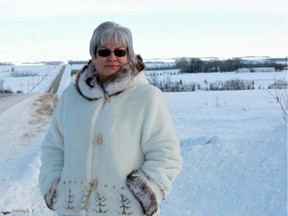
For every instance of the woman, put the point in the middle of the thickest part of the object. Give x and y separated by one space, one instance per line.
111 148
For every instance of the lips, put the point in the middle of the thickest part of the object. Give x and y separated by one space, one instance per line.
112 66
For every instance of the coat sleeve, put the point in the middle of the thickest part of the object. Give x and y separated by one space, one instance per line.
162 154
52 157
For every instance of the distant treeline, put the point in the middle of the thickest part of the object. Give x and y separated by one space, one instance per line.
31 63
5 63
195 65
71 62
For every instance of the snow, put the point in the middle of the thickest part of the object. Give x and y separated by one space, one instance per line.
235 155
261 79
42 76
234 147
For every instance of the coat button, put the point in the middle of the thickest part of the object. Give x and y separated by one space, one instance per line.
99 138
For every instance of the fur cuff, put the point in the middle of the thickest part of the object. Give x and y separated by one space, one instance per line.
51 194
146 191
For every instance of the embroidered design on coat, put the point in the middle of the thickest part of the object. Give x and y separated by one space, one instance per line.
73 200
100 204
70 200
125 206
85 199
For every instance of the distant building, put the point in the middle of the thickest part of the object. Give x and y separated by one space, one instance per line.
263 69
162 72
243 70
279 84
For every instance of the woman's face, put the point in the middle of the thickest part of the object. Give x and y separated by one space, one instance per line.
107 66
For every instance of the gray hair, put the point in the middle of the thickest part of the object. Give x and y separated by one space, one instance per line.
110 32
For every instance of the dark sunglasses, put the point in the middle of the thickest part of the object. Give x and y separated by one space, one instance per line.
117 52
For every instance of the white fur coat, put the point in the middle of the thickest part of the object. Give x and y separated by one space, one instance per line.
114 155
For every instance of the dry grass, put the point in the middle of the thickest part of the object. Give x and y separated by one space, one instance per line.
44 107
45 104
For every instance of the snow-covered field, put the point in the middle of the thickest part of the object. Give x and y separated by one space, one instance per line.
28 78
234 146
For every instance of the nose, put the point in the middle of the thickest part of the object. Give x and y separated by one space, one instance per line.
112 57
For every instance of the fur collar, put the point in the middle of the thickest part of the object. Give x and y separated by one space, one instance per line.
88 86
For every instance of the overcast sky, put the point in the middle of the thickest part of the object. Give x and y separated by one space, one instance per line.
32 30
